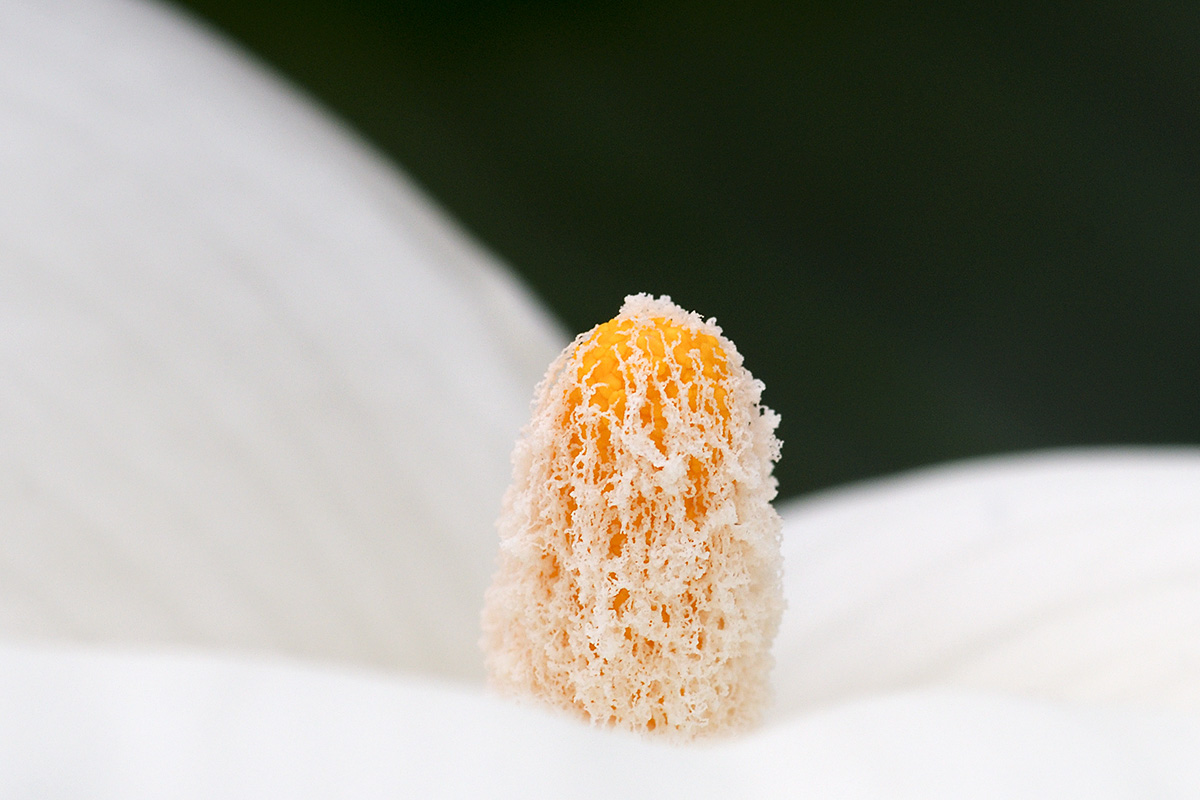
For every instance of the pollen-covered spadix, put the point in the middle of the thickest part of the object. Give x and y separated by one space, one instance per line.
639 579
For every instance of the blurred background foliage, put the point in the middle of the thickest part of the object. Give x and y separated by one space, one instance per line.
934 231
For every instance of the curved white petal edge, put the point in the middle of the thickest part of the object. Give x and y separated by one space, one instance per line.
248 375
1068 576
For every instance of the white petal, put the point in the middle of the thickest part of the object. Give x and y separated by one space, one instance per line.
184 726
254 390
1066 576
116 725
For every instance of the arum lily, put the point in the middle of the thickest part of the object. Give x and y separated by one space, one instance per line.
256 409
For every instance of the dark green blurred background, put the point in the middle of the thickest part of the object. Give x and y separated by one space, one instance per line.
932 232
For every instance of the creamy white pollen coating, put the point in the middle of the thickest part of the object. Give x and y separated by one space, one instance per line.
639 578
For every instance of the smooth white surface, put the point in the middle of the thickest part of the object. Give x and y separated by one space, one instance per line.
1071 576
114 723
121 725
248 376
256 395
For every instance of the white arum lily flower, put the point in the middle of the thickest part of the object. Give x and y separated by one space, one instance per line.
257 402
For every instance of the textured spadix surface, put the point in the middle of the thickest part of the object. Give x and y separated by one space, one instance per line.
639 564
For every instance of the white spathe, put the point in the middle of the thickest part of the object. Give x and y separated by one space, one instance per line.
1068 576
250 380
131 727
256 395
